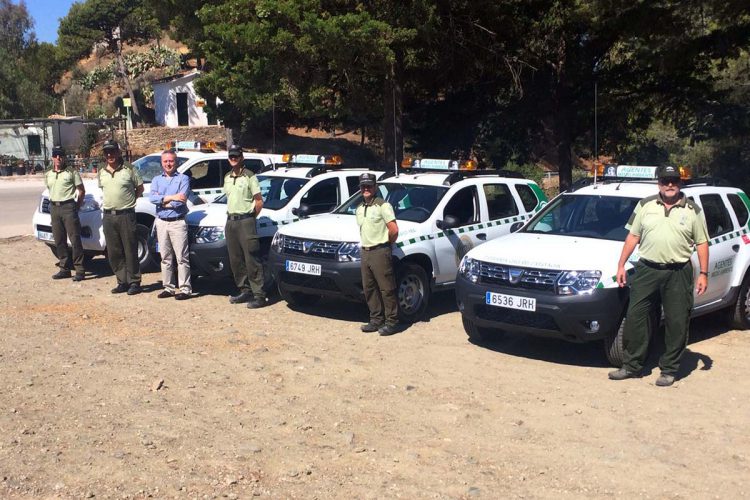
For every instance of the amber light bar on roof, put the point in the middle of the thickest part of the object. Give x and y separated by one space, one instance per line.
432 164
308 159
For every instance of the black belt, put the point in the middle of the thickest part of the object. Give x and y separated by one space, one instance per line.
109 211
59 203
375 247
674 266
172 219
239 216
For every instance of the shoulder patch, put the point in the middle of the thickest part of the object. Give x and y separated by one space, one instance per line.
378 201
692 205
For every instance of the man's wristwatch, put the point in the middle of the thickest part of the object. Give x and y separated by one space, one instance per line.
704 272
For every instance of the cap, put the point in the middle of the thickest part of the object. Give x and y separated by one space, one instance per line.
234 150
667 171
58 150
367 179
111 144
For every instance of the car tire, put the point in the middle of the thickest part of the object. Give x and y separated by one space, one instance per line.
146 258
740 311
412 292
614 348
479 335
298 299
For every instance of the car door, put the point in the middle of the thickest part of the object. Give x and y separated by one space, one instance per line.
206 178
501 210
323 196
723 248
464 205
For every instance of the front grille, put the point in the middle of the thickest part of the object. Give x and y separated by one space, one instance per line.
313 248
530 278
45 205
307 281
516 317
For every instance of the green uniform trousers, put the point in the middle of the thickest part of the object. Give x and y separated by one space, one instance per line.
379 285
122 247
66 225
243 247
673 288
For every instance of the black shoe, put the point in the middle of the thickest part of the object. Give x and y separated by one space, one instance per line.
182 296
134 289
79 277
371 327
665 380
61 274
622 374
120 288
242 297
386 330
257 304
165 294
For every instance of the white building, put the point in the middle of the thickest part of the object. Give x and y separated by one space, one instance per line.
176 103
33 138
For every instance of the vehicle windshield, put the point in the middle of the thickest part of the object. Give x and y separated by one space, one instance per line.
411 202
150 166
589 216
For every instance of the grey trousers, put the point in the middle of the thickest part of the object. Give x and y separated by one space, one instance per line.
175 255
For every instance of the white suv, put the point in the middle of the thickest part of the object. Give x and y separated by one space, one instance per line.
301 186
206 169
442 212
555 277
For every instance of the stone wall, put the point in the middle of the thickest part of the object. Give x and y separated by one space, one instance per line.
142 141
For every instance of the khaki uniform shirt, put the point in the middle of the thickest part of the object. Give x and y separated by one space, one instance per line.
62 185
118 187
241 191
373 220
668 236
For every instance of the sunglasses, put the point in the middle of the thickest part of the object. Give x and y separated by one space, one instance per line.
234 157
56 155
669 180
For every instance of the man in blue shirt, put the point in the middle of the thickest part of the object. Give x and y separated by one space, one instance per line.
169 192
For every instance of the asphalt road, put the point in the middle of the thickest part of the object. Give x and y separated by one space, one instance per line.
19 197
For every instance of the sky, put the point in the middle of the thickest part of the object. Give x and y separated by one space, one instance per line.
46 15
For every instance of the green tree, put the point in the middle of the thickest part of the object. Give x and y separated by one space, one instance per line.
111 23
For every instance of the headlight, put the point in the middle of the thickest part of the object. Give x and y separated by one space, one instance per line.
209 234
277 243
469 269
578 282
89 204
349 252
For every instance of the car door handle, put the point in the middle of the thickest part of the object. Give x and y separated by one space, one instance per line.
736 248
482 236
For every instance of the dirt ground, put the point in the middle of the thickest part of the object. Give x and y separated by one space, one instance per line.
105 396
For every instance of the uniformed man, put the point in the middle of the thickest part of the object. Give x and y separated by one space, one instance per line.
63 182
121 186
244 203
668 227
378 231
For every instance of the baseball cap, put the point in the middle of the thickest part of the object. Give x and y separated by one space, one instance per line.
58 151
367 179
234 150
668 172
111 144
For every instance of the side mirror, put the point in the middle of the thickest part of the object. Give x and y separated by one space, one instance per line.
302 211
516 226
448 222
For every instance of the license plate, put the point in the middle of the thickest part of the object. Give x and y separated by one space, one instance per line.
303 268
44 235
510 301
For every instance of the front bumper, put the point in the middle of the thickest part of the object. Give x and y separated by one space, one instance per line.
210 260
576 318
337 279
92 233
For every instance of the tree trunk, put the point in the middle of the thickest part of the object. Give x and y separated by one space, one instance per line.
393 139
126 82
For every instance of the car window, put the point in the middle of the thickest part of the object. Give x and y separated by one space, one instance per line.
352 183
410 202
739 207
278 191
252 164
500 203
590 216
150 166
718 221
323 196
528 198
463 206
